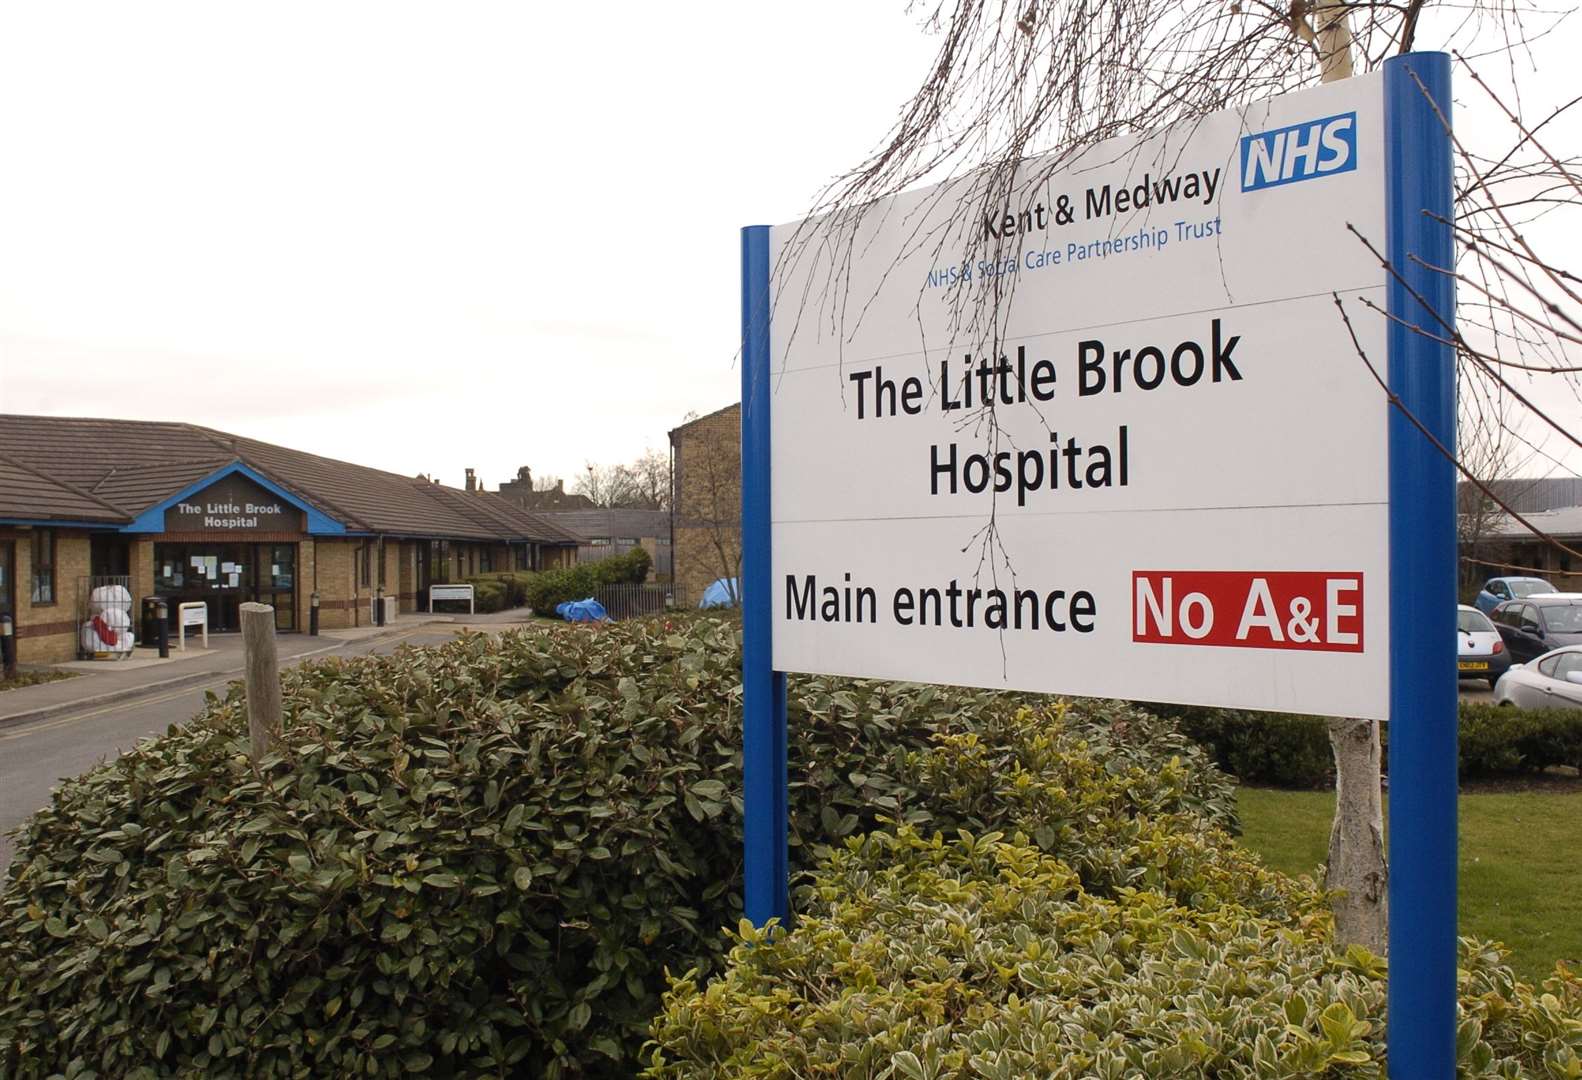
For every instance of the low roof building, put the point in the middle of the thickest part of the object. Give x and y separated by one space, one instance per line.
201 516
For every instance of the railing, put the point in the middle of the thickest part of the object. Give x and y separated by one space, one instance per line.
630 601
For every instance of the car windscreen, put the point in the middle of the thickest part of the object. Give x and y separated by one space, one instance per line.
1565 619
1530 587
1473 622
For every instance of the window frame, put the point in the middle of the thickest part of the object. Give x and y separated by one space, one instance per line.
48 568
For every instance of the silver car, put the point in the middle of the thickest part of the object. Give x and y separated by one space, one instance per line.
1553 681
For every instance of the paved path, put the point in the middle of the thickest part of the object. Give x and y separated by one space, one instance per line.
65 740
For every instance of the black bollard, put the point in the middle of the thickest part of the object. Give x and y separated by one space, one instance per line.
379 606
162 635
7 647
313 615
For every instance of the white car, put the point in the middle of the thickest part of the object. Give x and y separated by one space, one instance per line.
1553 681
1480 651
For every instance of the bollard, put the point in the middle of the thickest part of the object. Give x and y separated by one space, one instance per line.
379 606
313 616
262 676
7 647
162 635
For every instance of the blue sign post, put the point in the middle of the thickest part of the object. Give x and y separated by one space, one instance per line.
1419 293
765 826
1423 715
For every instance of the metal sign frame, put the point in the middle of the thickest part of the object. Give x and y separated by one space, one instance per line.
1422 558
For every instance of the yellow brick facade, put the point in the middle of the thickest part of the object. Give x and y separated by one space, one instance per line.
46 633
708 500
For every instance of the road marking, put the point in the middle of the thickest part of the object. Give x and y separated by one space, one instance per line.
73 718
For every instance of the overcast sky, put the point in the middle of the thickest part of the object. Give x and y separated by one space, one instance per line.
418 236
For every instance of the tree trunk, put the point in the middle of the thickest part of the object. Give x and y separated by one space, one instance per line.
262 677
1356 839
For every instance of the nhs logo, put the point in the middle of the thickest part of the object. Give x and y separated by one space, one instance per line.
1299 152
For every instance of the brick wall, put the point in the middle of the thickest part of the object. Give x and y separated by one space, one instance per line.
47 633
708 498
335 564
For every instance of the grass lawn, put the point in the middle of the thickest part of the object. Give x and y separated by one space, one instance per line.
1521 863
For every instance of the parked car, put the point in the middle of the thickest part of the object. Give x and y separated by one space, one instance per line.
1497 590
1538 624
1553 681
1480 651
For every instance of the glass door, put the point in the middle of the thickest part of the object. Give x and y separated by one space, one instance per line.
276 577
7 574
423 580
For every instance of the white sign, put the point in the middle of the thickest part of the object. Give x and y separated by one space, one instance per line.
1182 494
451 592
193 613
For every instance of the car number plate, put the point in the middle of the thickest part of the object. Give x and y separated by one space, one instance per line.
1472 665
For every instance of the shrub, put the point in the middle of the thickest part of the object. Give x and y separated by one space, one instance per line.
980 957
513 584
1282 750
546 589
1498 740
483 857
1277 749
488 595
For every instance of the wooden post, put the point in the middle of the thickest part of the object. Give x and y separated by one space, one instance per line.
263 678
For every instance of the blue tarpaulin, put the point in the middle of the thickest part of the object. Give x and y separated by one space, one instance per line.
724 592
589 610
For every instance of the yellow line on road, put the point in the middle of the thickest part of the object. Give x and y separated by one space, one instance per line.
139 702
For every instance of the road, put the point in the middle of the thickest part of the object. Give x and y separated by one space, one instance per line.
33 757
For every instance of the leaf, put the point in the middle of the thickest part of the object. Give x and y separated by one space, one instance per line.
524 877
708 789
442 881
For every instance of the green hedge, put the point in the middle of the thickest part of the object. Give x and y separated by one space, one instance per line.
510 585
544 589
552 587
981 957
1283 750
481 859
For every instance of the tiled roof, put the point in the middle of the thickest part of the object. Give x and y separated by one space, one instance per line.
611 523
127 466
25 493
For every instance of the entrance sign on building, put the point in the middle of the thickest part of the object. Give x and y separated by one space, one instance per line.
233 504
1115 436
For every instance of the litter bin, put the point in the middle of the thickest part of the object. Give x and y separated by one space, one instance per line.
148 626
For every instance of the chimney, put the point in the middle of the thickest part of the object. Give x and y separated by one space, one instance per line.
472 481
560 486
524 476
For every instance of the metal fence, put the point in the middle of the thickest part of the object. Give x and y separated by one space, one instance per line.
629 601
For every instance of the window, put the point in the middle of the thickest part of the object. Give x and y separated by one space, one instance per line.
486 560
43 566
1498 588
364 559
1529 623
629 541
1473 622
599 541
1563 618
1567 664
381 557
1531 587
